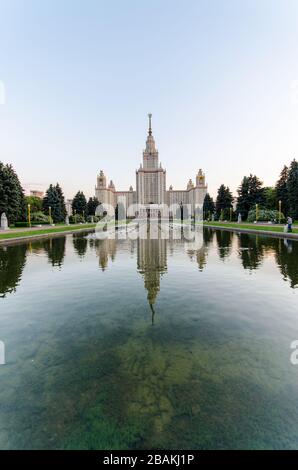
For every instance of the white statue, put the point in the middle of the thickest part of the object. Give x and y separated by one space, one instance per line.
4 222
67 220
239 218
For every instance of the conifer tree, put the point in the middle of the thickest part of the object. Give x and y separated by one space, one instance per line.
79 203
208 206
54 199
62 201
92 205
12 199
224 201
292 188
250 193
282 190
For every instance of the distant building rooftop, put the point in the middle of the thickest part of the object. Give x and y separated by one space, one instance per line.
36 193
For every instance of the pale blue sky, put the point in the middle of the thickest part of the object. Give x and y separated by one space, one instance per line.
81 76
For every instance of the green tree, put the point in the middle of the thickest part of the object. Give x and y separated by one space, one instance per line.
62 201
270 195
54 198
208 206
250 193
79 203
224 202
92 205
12 199
282 190
292 187
35 203
243 200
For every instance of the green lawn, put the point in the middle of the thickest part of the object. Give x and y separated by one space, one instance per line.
33 233
268 228
15 233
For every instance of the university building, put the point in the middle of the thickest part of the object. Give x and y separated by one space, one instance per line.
151 192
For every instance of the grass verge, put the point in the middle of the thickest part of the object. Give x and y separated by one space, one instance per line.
267 228
34 233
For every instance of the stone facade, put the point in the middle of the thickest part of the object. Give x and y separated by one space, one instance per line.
151 189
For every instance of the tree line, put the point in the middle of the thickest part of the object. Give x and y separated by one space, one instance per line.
51 208
281 198
53 205
251 192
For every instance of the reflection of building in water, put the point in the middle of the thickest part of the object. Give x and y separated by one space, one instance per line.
200 256
105 249
152 263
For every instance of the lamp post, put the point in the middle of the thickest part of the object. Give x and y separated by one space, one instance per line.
221 215
75 215
50 214
279 211
29 215
231 213
257 212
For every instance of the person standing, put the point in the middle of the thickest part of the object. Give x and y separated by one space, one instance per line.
290 222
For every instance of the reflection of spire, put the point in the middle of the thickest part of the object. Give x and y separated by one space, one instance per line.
153 313
152 263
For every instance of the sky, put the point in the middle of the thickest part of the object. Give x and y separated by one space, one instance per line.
78 78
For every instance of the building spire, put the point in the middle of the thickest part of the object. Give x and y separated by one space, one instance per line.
150 129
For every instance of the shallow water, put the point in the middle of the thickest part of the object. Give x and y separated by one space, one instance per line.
120 344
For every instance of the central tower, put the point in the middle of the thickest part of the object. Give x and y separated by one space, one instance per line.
151 177
150 154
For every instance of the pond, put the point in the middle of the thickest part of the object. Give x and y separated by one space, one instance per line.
146 344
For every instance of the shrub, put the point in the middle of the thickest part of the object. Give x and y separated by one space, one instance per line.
265 215
21 224
76 219
94 217
40 218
